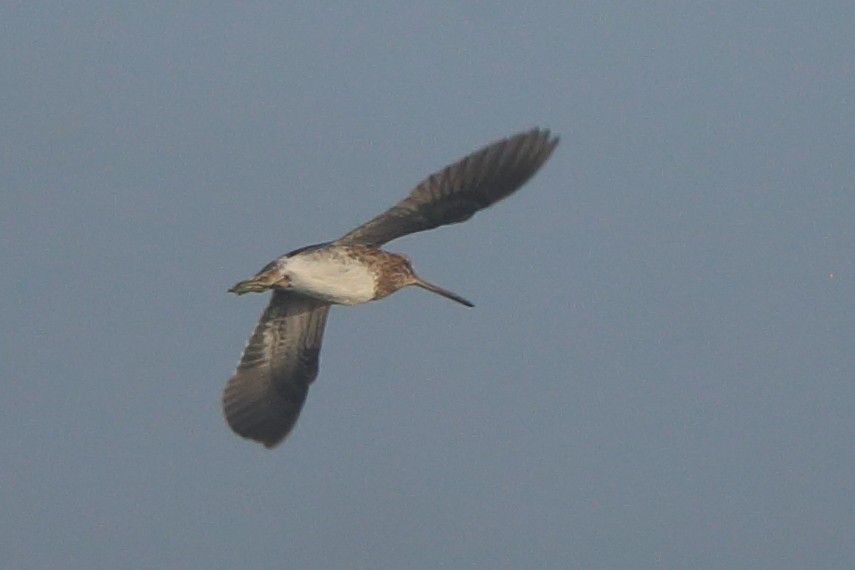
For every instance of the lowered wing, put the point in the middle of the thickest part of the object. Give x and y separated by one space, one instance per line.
264 397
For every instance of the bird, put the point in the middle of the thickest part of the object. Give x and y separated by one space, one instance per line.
264 397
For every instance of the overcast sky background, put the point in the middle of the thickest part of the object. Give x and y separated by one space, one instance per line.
660 368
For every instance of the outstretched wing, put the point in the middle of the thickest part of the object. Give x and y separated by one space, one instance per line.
455 193
264 397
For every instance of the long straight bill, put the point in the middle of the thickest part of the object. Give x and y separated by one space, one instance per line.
440 291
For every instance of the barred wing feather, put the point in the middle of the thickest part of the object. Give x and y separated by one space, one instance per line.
455 193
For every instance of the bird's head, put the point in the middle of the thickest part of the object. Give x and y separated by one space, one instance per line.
407 276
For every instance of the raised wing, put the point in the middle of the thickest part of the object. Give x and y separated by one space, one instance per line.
455 193
264 397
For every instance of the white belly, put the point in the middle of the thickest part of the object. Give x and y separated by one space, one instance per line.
333 279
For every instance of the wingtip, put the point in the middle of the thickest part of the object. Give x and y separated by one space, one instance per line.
538 140
252 418
549 137
544 132
271 444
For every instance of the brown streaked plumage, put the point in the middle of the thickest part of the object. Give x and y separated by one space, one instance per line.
264 397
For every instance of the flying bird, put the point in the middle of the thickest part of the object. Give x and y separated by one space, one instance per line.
264 397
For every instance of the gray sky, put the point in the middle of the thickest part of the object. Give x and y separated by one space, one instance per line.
659 371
